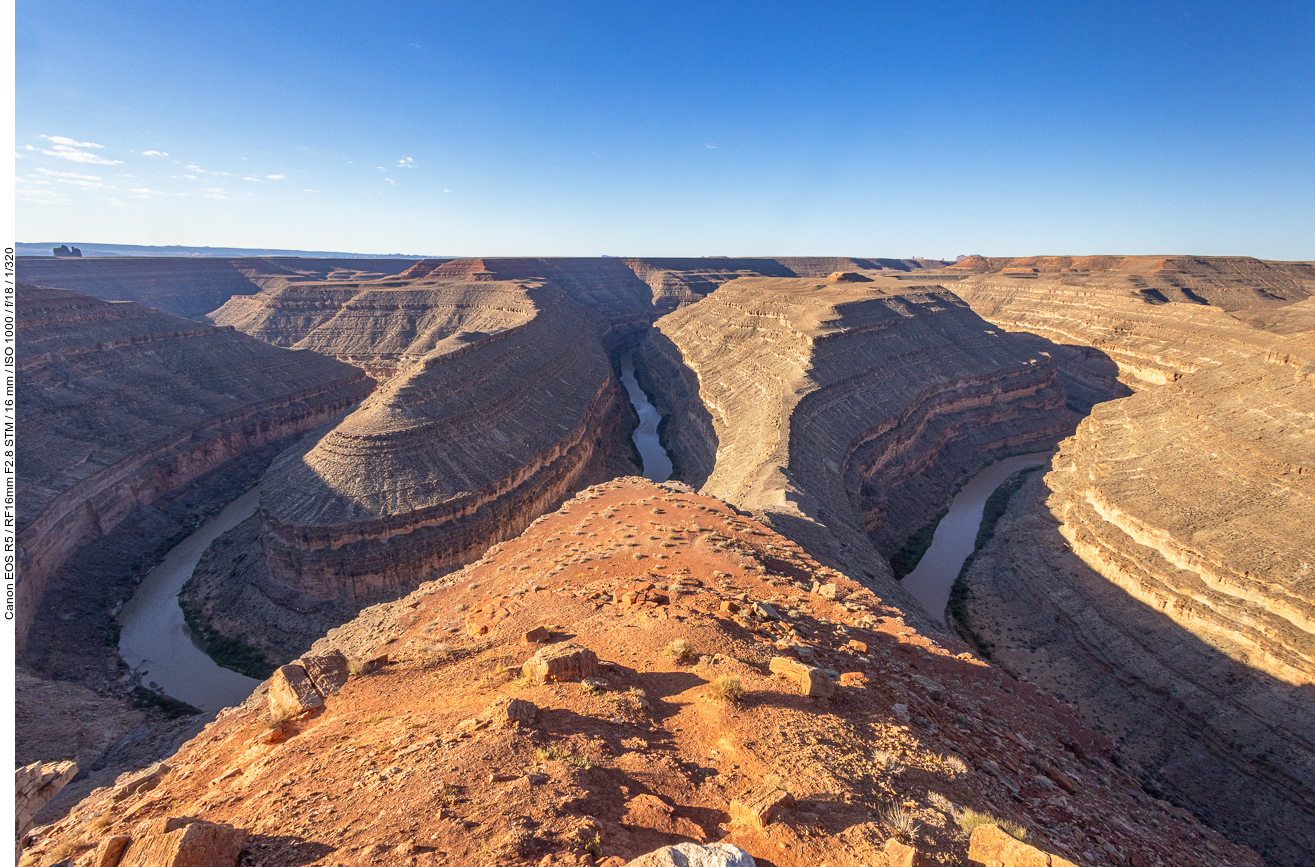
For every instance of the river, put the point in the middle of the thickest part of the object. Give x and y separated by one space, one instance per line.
155 640
657 463
956 534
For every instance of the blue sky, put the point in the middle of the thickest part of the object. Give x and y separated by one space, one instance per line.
702 128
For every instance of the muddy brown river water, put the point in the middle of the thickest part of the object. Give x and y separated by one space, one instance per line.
155 640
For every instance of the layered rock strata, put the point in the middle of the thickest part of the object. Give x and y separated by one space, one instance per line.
384 323
192 287
436 754
381 328
1168 592
1116 325
844 412
1195 724
119 404
456 452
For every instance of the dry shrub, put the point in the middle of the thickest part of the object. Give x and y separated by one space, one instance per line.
680 650
971 819
726 689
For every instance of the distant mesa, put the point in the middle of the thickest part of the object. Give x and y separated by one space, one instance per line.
64 251
847 277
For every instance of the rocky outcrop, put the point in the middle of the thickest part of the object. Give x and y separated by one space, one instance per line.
845 412
191 287
35 785
453 454
441 749
119 404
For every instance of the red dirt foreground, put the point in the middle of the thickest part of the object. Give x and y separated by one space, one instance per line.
640 669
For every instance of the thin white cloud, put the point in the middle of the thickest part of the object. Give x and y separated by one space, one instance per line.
381 168
310 191
711 147
28 148
71 142
218 193
257 180
19 156
77 156
85 184
276 177
145 192
406 163
391 181
41 197
154 154
69 175
191 177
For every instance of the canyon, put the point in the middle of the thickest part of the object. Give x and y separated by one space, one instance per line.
825 410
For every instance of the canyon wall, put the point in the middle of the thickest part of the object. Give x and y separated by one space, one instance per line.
1115 325
1167 589
844 413
454 453
191 287
119 404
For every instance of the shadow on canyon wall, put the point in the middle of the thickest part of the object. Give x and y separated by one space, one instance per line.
1207 732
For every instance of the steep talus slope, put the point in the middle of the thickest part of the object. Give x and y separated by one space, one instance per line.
191 287
442 756
380 327
844 412
119 404
454 453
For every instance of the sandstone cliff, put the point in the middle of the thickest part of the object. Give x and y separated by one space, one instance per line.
1112 336
845 412
1170 594
695 691
456 452
379 327
119 404
191 287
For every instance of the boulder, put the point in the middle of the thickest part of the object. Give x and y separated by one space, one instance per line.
512 712
989 845
759 806
138 781
109 852
694 855
187 842
809 680
903 855
291 692
537 635
561 662
327 671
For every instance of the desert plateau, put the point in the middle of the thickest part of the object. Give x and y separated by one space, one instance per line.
438 606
